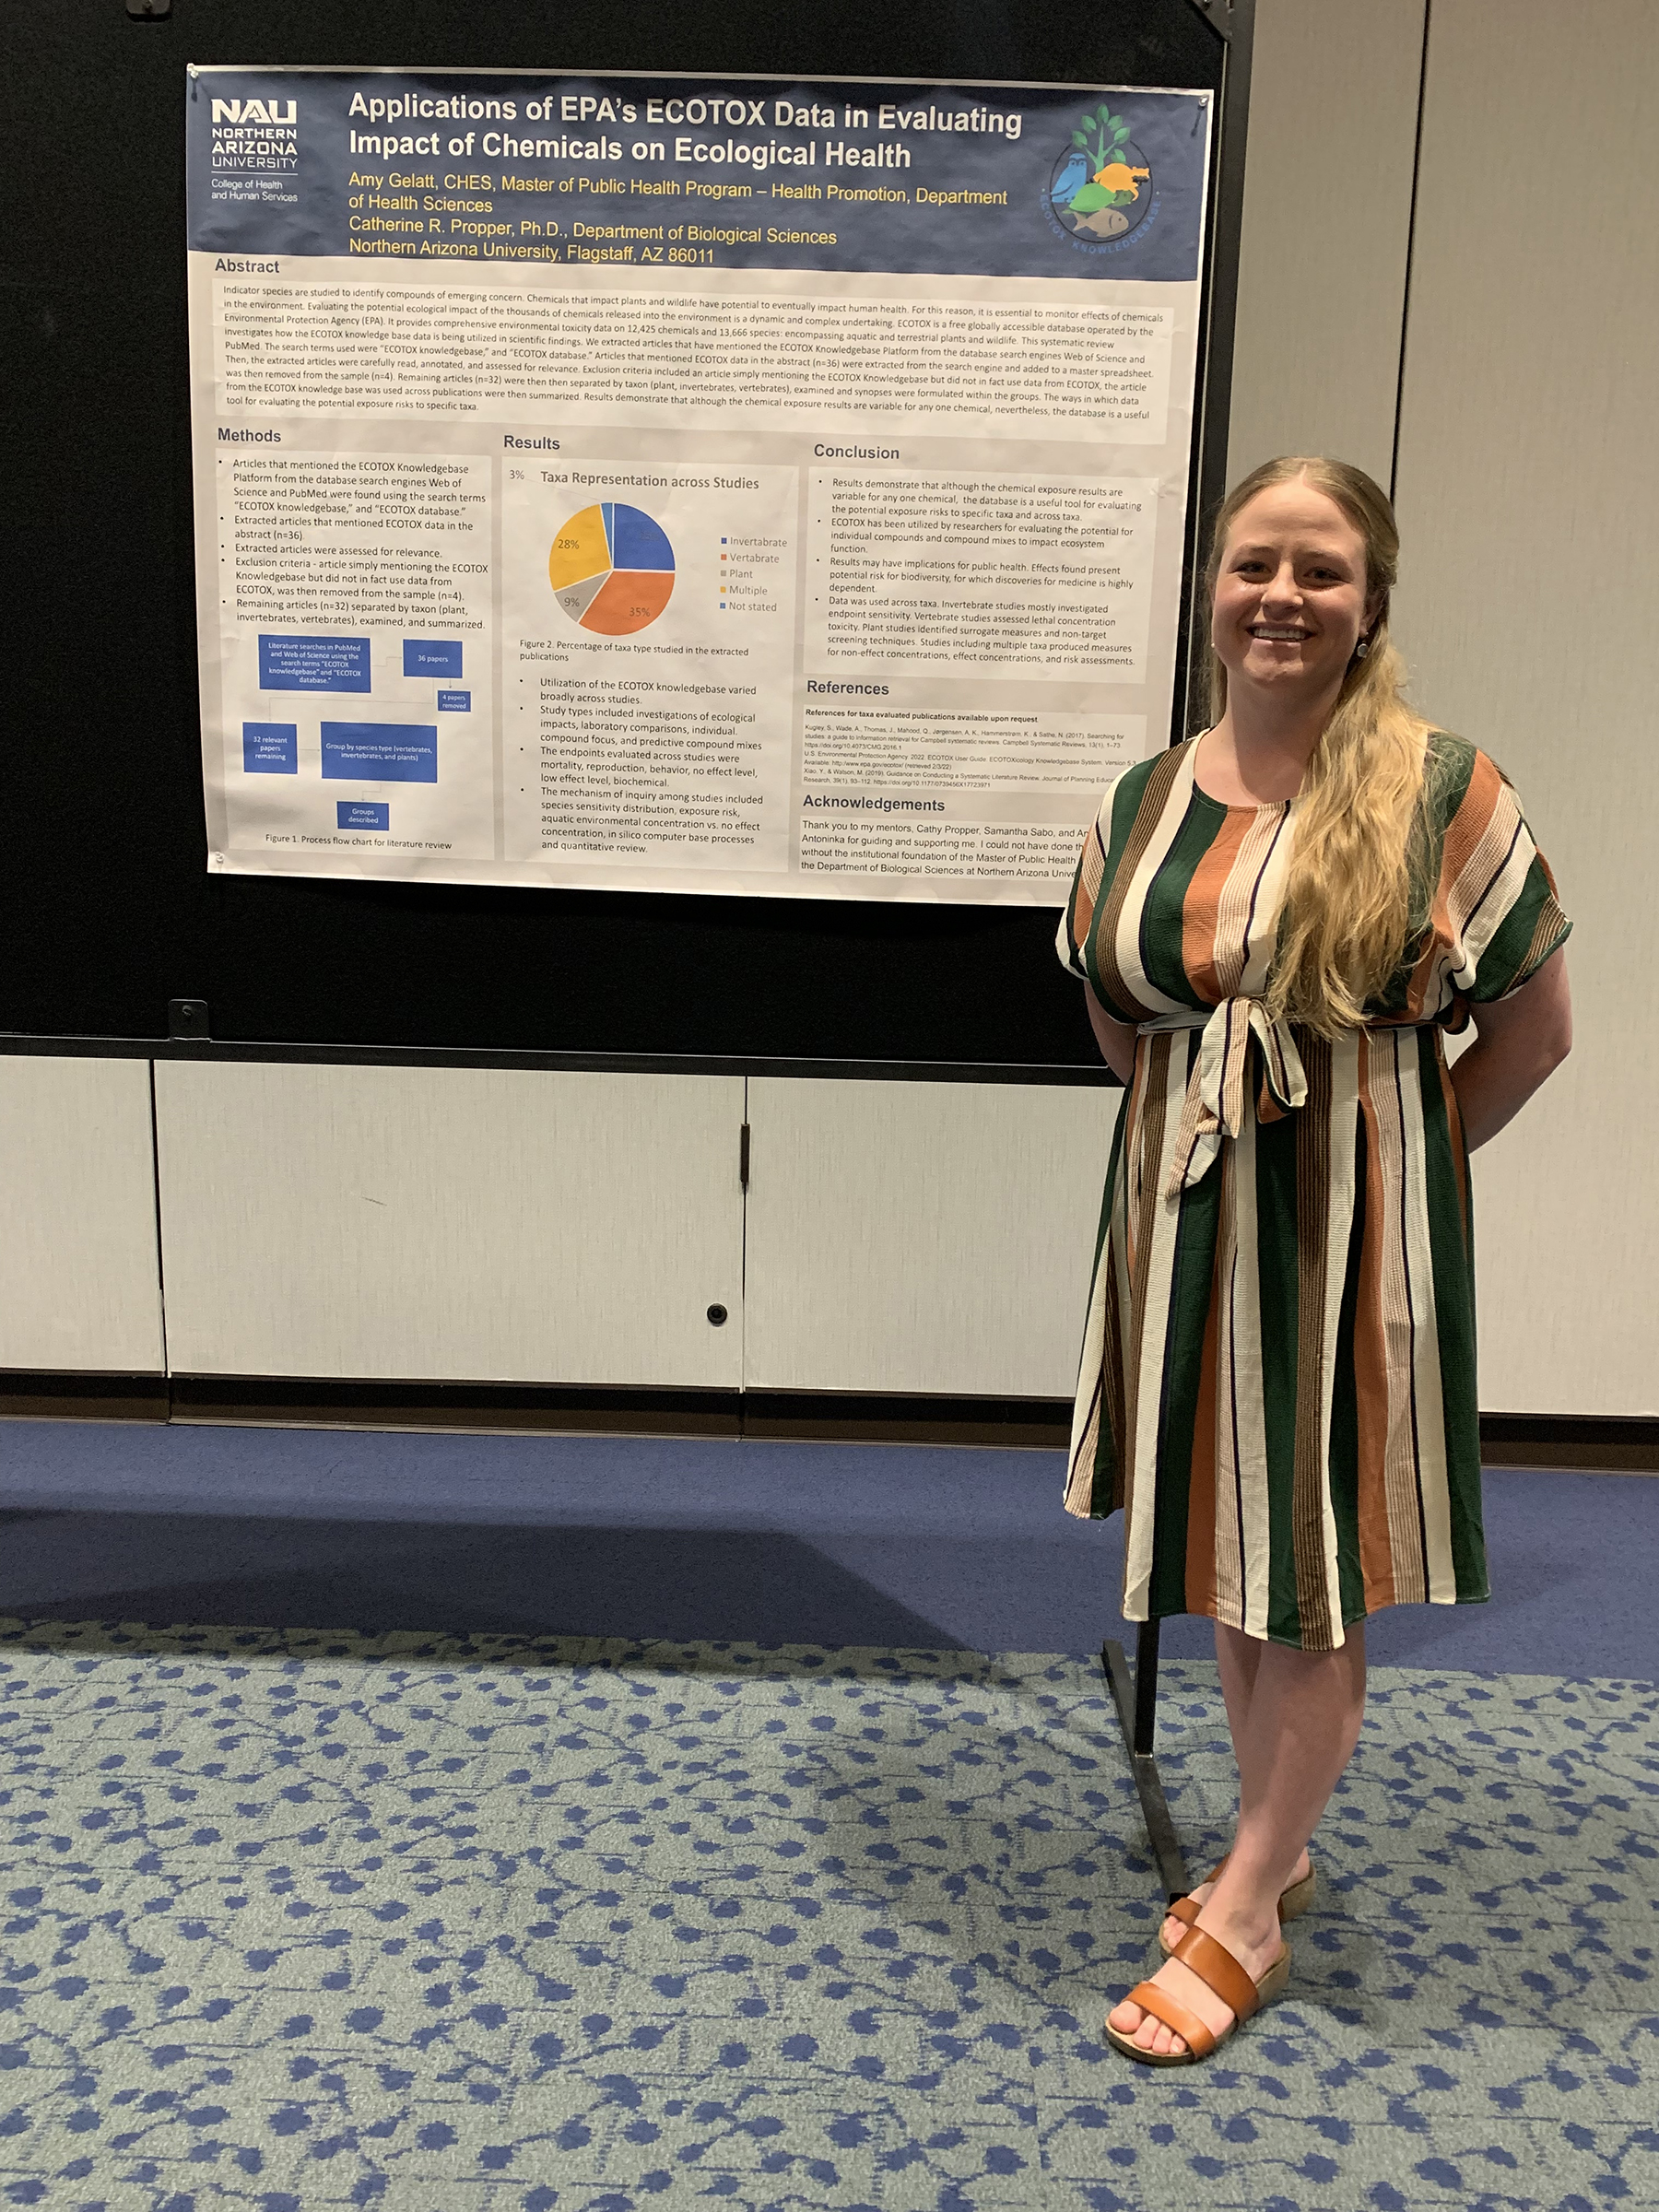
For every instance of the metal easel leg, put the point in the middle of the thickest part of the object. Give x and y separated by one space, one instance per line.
1136 1698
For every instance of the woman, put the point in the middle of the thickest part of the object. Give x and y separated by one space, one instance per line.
1278 922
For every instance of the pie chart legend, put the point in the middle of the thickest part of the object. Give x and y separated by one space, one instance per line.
612 568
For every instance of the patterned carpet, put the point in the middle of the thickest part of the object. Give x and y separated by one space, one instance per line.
297 1921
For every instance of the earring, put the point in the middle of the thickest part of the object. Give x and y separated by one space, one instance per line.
1361 649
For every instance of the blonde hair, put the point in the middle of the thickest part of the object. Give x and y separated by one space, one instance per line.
1355 889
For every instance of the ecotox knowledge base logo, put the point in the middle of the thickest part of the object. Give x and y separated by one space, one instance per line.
1100 191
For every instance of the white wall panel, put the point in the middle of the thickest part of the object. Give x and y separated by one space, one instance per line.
1528 487
1327 215
922 1236
456 1224
78 1287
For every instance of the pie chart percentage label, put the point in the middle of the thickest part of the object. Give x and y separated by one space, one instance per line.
612 568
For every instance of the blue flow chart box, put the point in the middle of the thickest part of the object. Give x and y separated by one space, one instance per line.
454 702
432 656
362 814
313 663
380 752
270 749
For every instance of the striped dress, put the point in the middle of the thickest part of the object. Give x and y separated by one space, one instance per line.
1277 1382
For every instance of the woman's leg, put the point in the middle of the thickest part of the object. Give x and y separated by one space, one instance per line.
1238 1656
1296 1733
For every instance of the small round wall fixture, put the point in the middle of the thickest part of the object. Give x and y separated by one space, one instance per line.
717 1315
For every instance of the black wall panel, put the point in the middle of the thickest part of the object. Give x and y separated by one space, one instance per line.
106 908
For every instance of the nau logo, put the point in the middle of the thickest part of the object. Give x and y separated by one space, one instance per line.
255 111
1102 188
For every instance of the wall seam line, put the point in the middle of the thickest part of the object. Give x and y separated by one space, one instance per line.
161 1249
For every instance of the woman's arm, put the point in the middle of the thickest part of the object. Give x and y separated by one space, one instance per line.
1115 1038
1518 1042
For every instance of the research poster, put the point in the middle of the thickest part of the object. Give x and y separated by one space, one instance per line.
739 486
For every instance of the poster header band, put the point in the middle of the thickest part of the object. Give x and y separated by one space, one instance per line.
951 180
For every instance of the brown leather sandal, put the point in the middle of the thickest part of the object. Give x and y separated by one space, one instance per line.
1215 1965
1293 1902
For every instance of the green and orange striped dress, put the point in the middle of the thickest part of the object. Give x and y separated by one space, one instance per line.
1277 1381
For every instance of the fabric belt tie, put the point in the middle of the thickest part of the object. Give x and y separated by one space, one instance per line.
1214 1104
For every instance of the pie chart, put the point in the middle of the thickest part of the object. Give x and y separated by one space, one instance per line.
611 568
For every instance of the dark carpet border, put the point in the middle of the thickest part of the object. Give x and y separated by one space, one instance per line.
1613 1444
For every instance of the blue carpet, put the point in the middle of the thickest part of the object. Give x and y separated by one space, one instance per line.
875 1546
458 1846
319 1923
